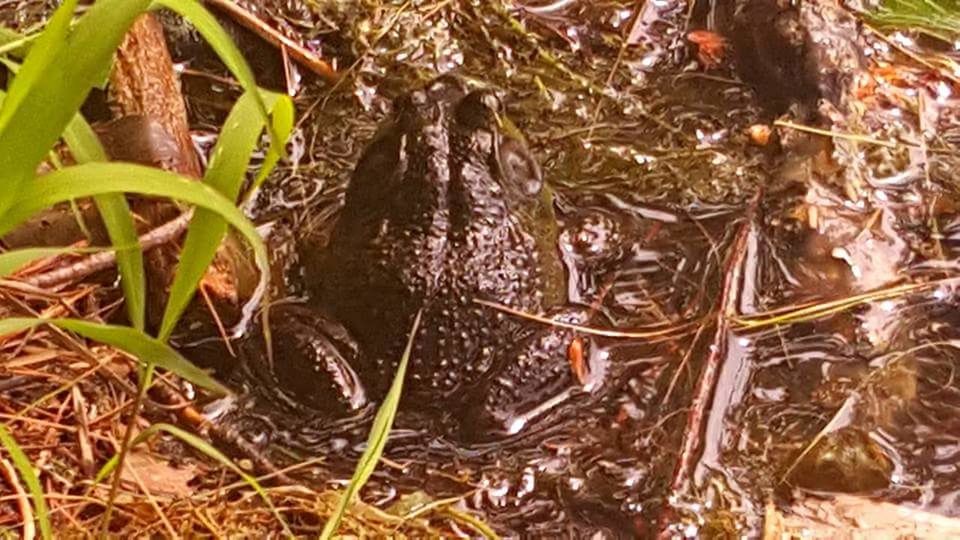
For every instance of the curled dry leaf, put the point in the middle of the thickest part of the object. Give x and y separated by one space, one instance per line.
711 47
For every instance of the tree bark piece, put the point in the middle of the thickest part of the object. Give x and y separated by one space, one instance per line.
144 83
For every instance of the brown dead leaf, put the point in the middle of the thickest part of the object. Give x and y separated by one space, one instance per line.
711 47
158 477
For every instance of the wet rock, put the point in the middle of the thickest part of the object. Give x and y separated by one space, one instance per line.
845 461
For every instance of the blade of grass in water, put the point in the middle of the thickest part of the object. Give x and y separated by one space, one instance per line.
226 173
23 465
138 344
203 447
115 212
376 441
52 84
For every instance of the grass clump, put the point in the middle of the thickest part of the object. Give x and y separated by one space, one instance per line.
41 105
936 18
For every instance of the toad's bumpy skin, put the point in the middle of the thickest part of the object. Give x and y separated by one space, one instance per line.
446 207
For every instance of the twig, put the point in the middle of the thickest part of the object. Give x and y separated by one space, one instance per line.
559 5
700 405
243 17
83 431
837 134
106 259
26 512
662 331
912 55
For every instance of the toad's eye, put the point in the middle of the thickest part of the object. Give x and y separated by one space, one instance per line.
479 109
518 167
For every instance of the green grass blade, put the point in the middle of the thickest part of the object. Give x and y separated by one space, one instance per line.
83 141
282 117
146 349
49 44
8 36
219 40
100 178
203 447
937 18
115 212
377 440
17 324
226 173
22 463
31 124
118 221
12 261
14 43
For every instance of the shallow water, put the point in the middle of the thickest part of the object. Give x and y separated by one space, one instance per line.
710 225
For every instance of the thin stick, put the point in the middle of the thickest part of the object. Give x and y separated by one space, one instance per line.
26 512
106 259
585 329
246 19
699 410
839 135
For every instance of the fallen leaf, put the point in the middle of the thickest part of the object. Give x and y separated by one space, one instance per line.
711 47
158 477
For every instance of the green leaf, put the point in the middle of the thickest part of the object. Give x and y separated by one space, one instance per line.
12 261
118 221
100 178
83 141
226 173
115 212
56 77
936 18
147 349
14 43
22 463
282 116
376 441
202 446
37 63
17 324
219 40
8 36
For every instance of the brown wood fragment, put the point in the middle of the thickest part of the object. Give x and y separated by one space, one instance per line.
699 411
144 83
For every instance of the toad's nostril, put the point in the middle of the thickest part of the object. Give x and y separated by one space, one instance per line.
418 97
447 88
